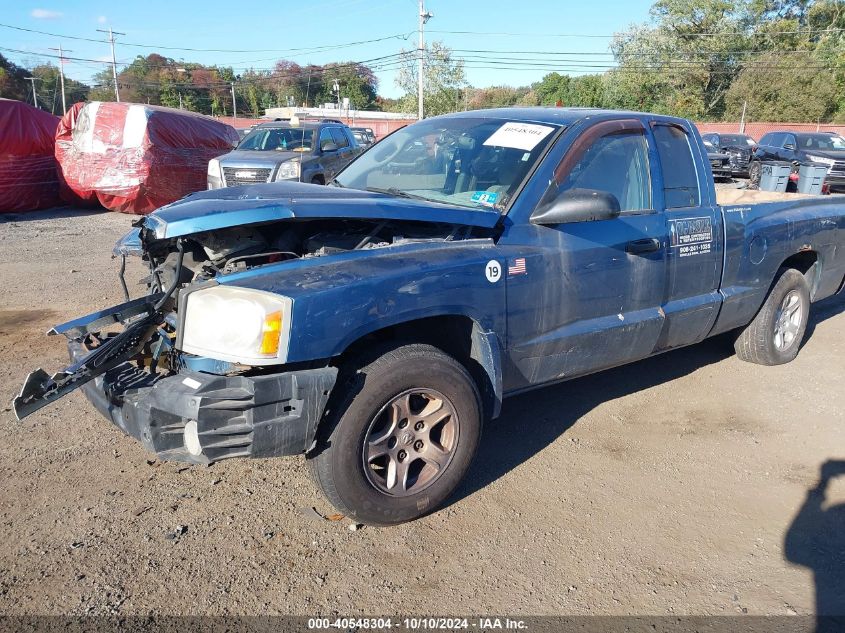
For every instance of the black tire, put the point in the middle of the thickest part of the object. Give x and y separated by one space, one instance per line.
338 463
763 341
755 172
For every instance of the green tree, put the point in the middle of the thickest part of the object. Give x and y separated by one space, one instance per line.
443 80
694 47
13 83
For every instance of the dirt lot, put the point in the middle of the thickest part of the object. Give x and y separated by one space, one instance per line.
666 487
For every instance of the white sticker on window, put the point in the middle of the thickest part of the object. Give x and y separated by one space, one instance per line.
519 135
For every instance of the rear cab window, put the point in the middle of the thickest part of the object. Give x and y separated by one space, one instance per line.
677 165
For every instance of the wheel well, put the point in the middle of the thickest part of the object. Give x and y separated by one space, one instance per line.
805 263
453 334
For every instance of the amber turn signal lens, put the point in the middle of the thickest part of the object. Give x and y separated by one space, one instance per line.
271 331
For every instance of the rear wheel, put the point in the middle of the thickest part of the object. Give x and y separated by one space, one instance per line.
401 439
775 335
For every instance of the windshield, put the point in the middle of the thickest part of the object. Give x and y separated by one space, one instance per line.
470 162
282 139
821 141
728 140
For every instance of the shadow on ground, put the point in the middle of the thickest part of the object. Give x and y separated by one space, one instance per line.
50 214
531 421
816 540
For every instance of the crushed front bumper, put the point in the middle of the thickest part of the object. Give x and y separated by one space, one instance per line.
236 416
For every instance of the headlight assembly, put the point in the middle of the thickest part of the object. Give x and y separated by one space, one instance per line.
288 170
238 325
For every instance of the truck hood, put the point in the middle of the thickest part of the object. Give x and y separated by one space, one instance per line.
256 204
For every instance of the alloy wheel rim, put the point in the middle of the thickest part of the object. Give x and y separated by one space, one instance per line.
410 442
788 320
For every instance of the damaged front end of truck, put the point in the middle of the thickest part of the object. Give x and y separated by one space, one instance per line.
197 369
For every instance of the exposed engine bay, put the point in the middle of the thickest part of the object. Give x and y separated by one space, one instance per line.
236 249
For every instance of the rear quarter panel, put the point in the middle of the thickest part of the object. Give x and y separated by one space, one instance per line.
759 238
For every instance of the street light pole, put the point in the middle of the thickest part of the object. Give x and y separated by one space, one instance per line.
424 17
113 61
34 95
62 73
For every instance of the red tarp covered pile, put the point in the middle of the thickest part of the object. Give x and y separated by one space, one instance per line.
135 158
27 165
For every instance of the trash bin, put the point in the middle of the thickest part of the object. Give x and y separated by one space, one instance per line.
774 176
811 178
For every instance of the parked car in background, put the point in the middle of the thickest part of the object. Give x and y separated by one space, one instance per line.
368 131
738 148
364 136
286 150
719 162
820 148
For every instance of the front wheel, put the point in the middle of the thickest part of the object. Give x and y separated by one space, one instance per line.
401 439
774 336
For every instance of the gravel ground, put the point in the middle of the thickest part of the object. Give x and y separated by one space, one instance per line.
664 487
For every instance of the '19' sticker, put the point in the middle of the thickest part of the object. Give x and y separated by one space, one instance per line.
493 271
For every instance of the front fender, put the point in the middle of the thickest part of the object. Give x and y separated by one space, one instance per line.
339 299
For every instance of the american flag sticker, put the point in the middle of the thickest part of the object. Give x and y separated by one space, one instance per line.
518 267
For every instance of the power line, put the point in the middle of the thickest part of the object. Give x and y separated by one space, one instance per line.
647 34
315 49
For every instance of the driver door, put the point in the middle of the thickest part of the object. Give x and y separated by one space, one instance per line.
592 295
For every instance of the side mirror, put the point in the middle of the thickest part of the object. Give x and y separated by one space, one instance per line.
329 147
578 205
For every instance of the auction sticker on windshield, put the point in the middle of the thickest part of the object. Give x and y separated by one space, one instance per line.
519 135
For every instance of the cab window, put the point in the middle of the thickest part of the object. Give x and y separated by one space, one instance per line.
325 138
339 137
677 165
616 164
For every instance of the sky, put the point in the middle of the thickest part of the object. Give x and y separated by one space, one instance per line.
546 35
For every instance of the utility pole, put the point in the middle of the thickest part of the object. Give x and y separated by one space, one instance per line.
336 90
180 100
308 89
234 105
742 119
113 61
62 74
34 96
424 17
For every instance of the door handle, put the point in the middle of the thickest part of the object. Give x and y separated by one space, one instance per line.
640 247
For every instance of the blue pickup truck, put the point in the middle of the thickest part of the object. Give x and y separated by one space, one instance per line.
374 324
